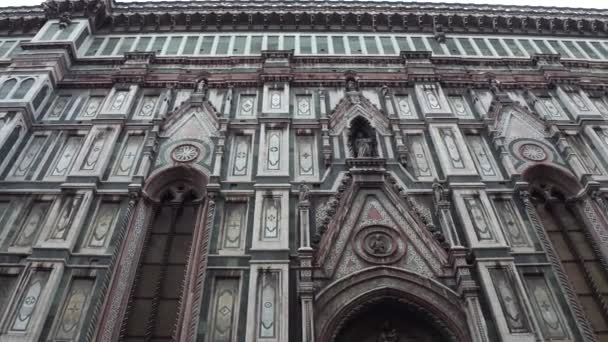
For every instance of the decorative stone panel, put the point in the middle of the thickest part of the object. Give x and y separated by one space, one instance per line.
268 304
96 150
273 155
30 305
432 100
66 217
276 99
452 150
240 165
120 100
479 222
271 225
577 102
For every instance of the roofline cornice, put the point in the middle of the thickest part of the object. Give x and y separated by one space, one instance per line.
235 15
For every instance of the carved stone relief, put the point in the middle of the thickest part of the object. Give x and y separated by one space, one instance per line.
106 216
273 153
147 107
275 98
451 146
304 106
224 312
483 157
33 150
268 283
125 164
94 153
511 223
510 302
585 155
246 106
68 209
533 152
241 155
185 153
271 217
29 301
420 156
234 227
66 156
70 317
59 107
460 107
552 108
32 221
306 156
479 218
119 99
92 107
405 108
546 309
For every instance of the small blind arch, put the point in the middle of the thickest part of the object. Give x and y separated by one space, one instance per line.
23 88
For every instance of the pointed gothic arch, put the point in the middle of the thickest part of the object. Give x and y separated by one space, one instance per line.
570 230
156 288
345 300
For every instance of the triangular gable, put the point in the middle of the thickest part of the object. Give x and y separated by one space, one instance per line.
191 129
355 104
374 227
203 118
513 121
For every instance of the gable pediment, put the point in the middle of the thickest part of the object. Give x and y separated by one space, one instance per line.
514 121
378 229
188 136
355 104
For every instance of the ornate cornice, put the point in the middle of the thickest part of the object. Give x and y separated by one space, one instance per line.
236 15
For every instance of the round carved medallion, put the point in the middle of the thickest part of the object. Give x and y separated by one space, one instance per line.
185 153
379 244
533 152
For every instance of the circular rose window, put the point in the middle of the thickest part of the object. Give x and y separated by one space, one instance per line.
185 153
533 152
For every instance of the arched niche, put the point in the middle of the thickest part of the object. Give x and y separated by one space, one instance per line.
23 88
156 288
7 88
345 303
362 138
570 229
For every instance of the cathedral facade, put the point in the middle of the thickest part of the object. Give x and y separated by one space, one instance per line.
299 171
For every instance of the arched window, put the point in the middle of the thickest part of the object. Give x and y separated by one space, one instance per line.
157 292
7 87
24 87
571 240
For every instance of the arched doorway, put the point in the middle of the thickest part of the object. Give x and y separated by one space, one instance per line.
389 320
552 194
389 304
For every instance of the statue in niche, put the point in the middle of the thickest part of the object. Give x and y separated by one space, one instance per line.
351 85
304 193
363 146
362 139
201 86
387 334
